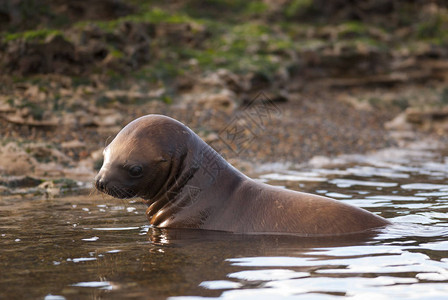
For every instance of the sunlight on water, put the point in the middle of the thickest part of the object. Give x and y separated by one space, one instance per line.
398 262
96 284
268 275
96 247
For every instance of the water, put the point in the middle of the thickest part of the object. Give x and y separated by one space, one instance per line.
94 247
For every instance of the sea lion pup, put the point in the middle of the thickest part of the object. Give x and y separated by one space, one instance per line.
186 184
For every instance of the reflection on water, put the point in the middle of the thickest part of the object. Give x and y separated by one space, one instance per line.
97 247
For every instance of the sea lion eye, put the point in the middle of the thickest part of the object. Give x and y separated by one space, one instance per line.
135 171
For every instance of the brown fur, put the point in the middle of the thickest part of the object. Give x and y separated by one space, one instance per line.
186 184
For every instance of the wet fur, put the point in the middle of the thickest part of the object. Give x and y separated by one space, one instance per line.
174 158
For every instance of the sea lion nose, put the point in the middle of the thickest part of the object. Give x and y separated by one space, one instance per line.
100 183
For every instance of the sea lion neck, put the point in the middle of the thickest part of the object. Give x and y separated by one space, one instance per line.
177 175
194 187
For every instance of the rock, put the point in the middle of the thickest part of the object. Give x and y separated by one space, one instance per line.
181 34
69 120
46 153
435 119
223 78
399 123
20 181
75 144
34 92
5 107
232 81
84 118
269 97
54 55
373 80
4 190
258 81
355 102
107 120
135 95
136 37
97 155
429 119
210 137
30 121
419 116
50 189
83 172
224 100
185 83
93 51
85 49
91 10
24 14
15 161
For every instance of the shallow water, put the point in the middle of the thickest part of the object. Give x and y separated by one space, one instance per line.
93 247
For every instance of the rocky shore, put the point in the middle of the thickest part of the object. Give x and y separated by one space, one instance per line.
259 91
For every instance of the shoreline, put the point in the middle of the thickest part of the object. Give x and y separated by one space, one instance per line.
305 128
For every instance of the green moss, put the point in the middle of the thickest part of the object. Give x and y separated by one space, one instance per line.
36 111
162 70
155 16
353 45
40 35
57 105
116 53
241 42
158 15
374 101
167 99
104 101
256 8
227 47
65 183
444 96
230 11
353 29
240 48
298 7
434 27
81 80
402 103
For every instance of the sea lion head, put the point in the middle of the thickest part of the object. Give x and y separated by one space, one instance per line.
144 158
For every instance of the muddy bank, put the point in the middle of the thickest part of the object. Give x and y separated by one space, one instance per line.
59 154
